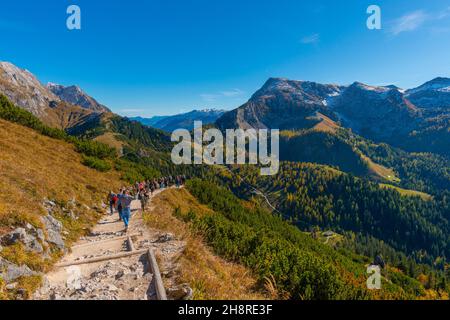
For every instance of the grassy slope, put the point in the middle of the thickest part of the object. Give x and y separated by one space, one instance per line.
211 277
33 168
411 193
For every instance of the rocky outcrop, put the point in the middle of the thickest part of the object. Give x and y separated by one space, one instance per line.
34 240
29 238
54 229
11 272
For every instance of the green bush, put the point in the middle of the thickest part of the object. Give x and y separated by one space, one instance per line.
94 148
96 163
132 172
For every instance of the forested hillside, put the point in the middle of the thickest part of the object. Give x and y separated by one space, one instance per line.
299 266
408 230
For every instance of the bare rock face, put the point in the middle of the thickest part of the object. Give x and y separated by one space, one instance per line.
281 104
25 90
76 96
433 94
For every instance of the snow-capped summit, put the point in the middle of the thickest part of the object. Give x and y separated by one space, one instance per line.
432 94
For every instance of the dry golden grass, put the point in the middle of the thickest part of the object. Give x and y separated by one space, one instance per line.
111 140
381 171
211 277
406 192
326 124
33 168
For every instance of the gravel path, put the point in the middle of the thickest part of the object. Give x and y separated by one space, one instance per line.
127 278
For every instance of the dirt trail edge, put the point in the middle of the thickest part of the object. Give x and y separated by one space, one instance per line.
125 278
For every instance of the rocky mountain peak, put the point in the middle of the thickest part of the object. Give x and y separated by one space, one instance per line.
24 89
75 95
432 94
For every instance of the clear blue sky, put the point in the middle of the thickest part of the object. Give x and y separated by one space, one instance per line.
152 57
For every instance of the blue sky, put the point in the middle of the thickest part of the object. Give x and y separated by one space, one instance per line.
148 57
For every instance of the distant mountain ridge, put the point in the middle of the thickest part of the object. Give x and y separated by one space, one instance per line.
433 94
71 109
407 119
76 96
23 89
181 121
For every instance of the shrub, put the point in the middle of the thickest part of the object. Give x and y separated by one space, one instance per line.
96 163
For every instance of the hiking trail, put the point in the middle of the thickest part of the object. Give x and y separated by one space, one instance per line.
111 264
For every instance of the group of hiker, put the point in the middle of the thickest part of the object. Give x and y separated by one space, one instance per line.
142 191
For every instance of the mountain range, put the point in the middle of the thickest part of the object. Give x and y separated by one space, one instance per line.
417 119
181 121
370 163
319 122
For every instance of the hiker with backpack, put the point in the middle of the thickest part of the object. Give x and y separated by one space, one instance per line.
112 198
119 204
144 197
125 201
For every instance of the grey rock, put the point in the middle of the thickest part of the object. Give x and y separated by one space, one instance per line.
49 203
55 238
181 292
14 236
166 238
21 235
10 271
45 288
40 234
54 229
51 223
55 296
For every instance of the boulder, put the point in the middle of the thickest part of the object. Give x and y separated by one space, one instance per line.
181 292
54 228
10 271
55 238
